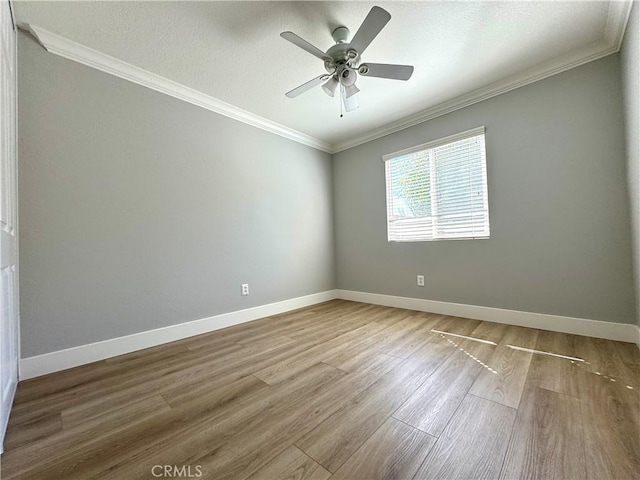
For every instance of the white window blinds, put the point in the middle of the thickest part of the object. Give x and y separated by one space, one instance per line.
438 190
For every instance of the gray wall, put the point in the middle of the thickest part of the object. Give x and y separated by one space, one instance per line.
630 61
139 211
560 238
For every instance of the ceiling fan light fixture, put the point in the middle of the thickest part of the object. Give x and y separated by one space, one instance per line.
330 87
350 90
350 103
348 77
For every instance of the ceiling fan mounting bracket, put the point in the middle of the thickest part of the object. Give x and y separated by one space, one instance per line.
341 34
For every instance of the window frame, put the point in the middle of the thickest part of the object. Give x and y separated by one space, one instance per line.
433 180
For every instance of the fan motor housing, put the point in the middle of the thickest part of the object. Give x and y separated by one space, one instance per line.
342 54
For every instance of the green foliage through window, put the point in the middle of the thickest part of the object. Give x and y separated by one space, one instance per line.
439 190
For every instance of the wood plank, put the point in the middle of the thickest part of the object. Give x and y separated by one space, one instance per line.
18 463
504 380
245 453
457 325
106 384
555 364
547 440
297 363
611 414
433 404
389 340
278 325
291 464
434 351
177 388
395 451
237 445
44 388
37 427
635 370
333 441
629 352
196 401
360 361
105 408
389 316
473 444
492 332
196 372
603 356
329 326
410 335
224 414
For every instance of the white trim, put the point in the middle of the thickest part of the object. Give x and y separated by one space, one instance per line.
498 88
72 357
474 132
87 56
15 214
3 428
623 332
617 19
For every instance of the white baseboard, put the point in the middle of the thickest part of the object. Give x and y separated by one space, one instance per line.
623 332
72 357
5 421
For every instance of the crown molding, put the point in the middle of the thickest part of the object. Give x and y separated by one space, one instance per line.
589 54
92 58
617 19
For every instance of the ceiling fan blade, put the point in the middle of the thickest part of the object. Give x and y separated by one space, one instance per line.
303 44
370 28
307 86
384 70
350 103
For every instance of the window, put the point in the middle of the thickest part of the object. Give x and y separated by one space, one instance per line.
438 191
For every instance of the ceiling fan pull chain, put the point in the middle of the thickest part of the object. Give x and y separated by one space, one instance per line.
341 93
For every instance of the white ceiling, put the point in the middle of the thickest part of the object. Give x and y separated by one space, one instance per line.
232 50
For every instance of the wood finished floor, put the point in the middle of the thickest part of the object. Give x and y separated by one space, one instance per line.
340 390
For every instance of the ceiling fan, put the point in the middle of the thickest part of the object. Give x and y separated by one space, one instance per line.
342 60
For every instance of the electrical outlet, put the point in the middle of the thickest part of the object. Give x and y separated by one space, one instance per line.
421 280
244 289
